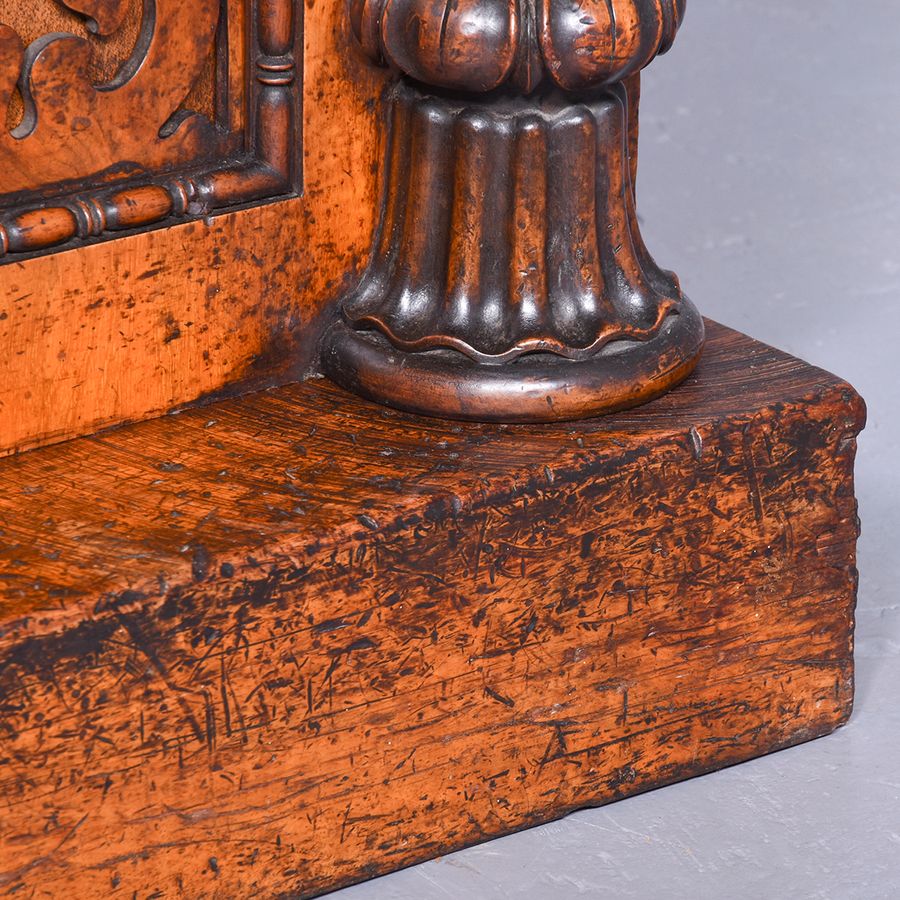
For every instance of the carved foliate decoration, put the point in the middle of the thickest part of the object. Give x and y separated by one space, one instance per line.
104 16
89 158
73 129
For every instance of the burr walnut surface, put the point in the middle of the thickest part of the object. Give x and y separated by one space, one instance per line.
294 640
110 330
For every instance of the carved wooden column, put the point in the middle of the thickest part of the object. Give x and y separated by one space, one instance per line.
508 279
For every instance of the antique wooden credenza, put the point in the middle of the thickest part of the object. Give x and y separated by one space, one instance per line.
368 490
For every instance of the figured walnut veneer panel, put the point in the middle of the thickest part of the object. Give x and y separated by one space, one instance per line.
110 43
89 118
292 641
131 328
94 156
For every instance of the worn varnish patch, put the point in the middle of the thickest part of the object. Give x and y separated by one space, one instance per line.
293 640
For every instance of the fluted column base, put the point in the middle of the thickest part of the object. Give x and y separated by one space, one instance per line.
509 281
534 388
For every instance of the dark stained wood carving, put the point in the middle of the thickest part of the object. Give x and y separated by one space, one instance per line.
509 279
88 160
291 641
103 16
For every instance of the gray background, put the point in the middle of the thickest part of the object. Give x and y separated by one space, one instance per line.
770 180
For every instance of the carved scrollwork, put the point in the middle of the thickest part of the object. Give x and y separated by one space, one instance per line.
478 45
103 16
73 129
129 152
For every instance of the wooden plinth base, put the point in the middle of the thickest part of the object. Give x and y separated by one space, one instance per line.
294 640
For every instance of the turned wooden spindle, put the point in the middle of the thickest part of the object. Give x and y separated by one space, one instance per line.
508 279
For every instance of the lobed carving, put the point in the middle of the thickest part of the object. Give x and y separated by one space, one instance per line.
129 153
508 279
478 45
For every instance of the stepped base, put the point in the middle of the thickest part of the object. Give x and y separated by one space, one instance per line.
291 641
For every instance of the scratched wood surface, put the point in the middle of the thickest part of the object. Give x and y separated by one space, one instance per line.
294 640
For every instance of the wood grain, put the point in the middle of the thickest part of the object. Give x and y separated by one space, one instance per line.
122 331
74 129
293 640
81 164
110 44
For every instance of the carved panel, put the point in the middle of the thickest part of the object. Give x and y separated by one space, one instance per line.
198 112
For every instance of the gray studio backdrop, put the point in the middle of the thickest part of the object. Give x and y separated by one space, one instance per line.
770 180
